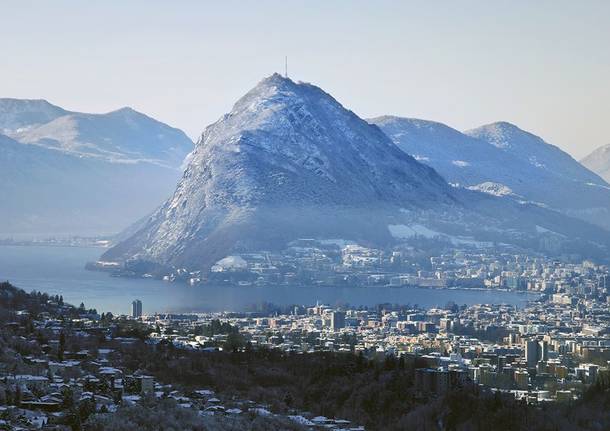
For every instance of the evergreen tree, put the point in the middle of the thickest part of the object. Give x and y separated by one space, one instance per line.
62 346
17 397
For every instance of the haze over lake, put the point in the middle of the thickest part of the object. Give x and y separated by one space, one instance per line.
60 270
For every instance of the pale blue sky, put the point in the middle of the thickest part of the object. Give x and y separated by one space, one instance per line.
543 65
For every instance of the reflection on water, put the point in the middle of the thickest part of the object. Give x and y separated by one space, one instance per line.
60 270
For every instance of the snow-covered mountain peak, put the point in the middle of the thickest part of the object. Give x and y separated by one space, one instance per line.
501 134
126 111
296 126
277 94
534 150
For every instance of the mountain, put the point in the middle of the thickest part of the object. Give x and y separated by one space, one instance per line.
599 162
290 162
80 173
287 162
124 136
533 150
502 158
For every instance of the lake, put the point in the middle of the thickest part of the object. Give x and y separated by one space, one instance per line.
60 270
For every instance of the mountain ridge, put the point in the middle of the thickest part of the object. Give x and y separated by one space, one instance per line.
122 136
505 155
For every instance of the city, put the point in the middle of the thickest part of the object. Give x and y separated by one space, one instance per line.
552 349
59 359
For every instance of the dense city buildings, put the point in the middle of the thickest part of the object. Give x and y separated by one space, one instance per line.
339 263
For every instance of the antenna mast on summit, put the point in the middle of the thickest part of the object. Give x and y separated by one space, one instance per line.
286 67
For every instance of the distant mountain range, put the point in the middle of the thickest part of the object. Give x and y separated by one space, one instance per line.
124 135
290 162
599 162
502 159
66 172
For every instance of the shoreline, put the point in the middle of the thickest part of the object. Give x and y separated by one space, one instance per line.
305 286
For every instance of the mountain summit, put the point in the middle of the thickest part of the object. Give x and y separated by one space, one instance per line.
534 150
282 136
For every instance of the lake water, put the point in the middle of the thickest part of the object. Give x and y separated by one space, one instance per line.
60 270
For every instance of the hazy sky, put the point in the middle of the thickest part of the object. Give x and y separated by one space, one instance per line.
543 65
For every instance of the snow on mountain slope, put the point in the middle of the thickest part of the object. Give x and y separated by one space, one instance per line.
460 159
535 151
124 135
505 155
290 162
599 162
494 189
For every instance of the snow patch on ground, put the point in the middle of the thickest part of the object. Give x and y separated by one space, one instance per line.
460 163
301 420
491 188
232 262
259 411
